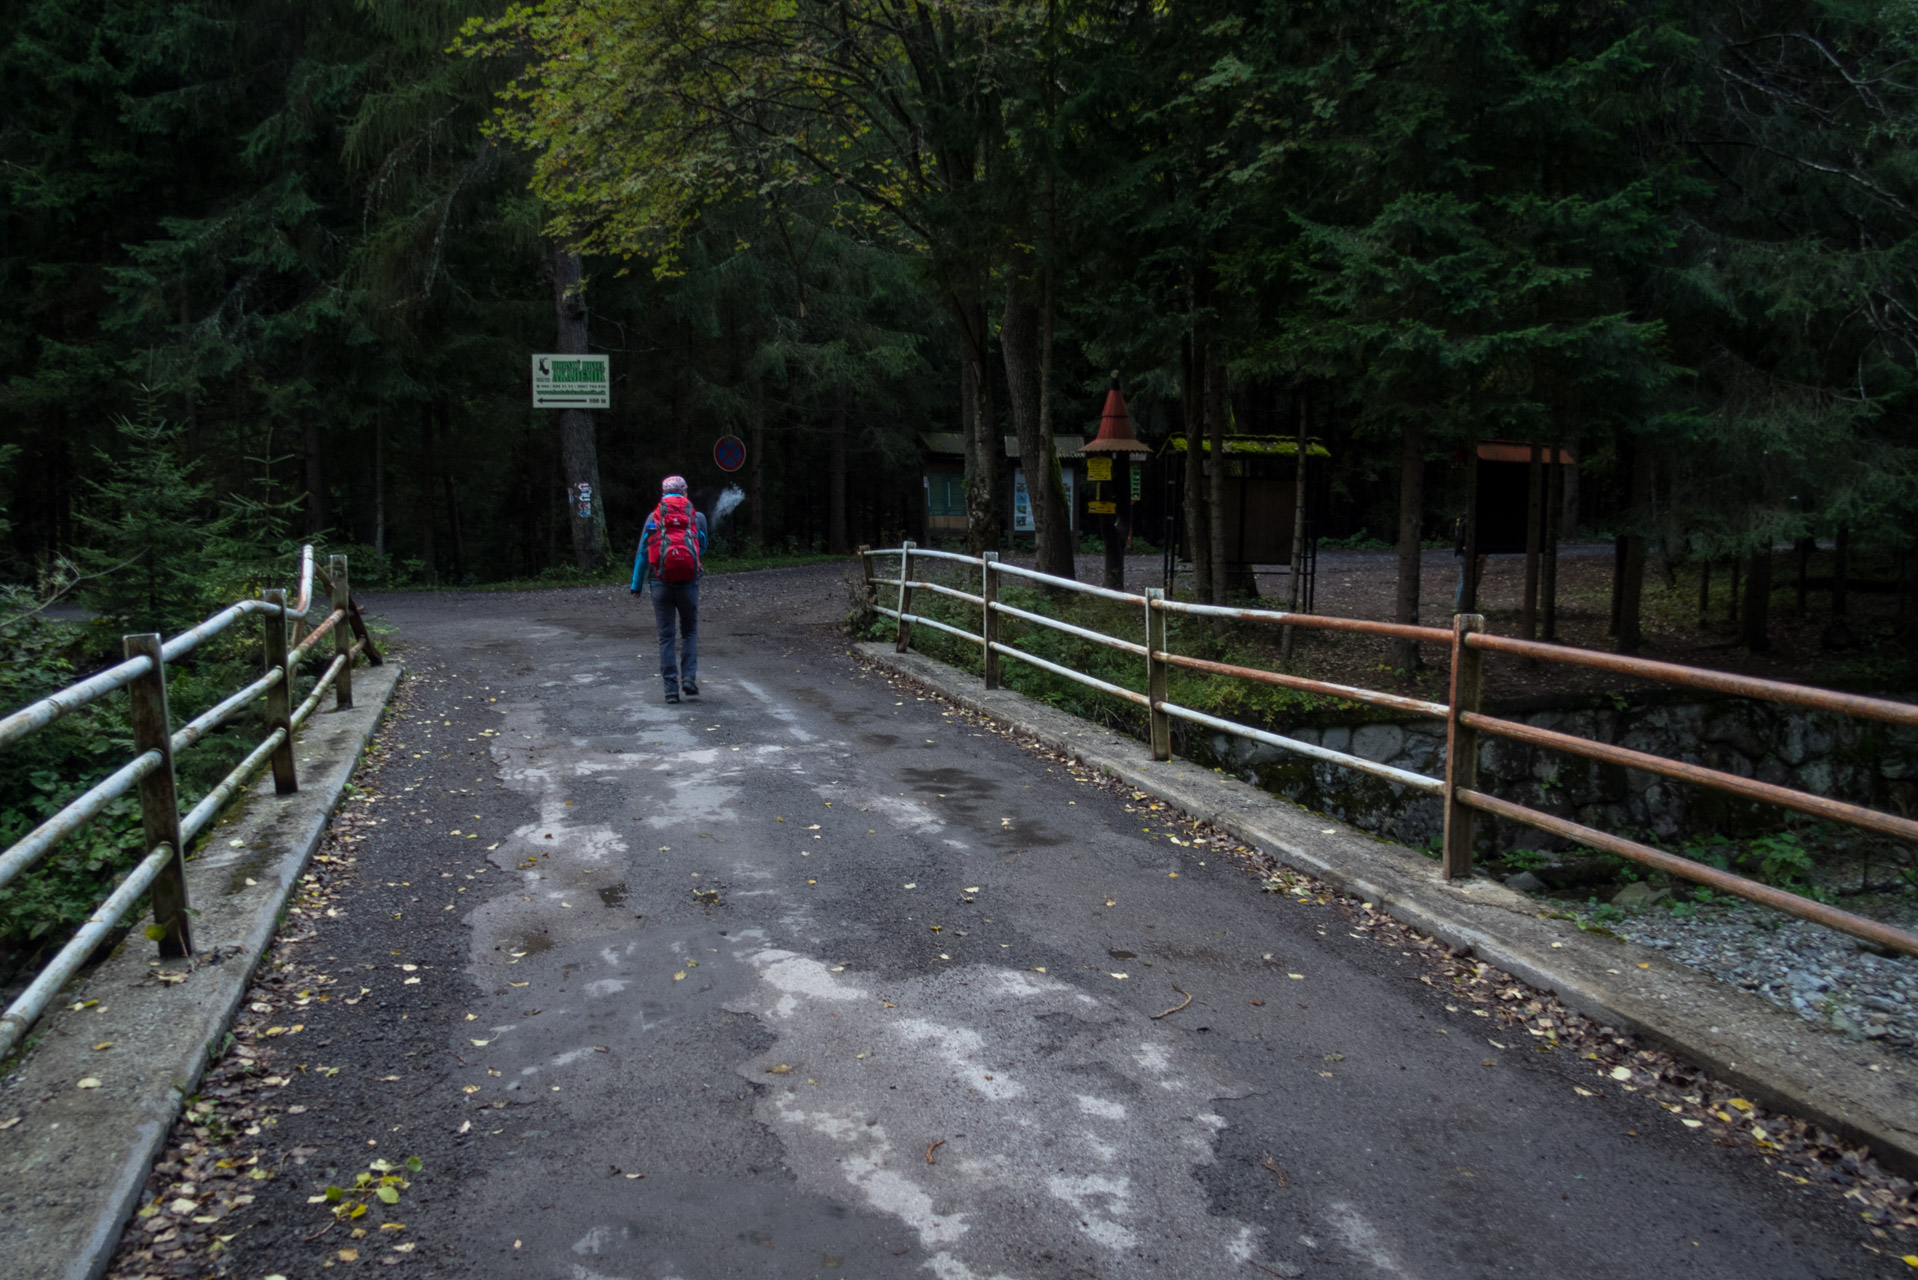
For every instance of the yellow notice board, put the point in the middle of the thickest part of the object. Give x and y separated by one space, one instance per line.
1102 508
1098 468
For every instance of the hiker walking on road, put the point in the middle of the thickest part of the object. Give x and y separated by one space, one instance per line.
670 552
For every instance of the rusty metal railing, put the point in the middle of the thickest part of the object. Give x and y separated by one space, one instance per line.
166 833
1467 641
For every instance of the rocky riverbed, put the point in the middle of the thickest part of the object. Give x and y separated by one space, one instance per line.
1827 977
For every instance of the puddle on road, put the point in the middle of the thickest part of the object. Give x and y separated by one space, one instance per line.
949 784
1123 955
613 895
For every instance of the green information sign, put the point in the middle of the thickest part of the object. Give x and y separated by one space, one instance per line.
572 382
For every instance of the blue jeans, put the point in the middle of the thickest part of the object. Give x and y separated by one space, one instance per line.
681 600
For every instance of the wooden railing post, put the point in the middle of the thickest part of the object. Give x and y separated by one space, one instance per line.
342 634
1155 673
160 798
1461 747
989 616
903 640
279 698
865 573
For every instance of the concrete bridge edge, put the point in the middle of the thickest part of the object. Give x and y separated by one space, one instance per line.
74 1165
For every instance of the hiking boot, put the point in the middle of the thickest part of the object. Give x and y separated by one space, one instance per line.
690 688
672 697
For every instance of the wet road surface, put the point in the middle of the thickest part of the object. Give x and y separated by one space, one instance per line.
863 989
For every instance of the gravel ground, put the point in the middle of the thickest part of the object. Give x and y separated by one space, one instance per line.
1827 977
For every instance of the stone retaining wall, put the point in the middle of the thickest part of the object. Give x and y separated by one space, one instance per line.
1831 755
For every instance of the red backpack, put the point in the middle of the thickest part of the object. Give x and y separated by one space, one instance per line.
674 556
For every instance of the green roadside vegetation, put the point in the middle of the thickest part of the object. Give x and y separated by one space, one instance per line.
155 562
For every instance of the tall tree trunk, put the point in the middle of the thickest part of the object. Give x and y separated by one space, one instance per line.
1534 540
968 415
1841 572
579 449
1198 522
1568 514
1704 592
1630 590
189 401
1755 629
836 486
1468 598
445 416
1838 633
1405 653
1295 594
379 478
985 520
1045 488
756 478
1802 550
428 452
316 512
1554 512
1217 404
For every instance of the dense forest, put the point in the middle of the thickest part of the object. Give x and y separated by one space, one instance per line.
294 257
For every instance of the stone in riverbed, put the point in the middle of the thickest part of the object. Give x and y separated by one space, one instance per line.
1804 980
1639 894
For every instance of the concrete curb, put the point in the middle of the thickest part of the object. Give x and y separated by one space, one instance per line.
73 1169
1854 1089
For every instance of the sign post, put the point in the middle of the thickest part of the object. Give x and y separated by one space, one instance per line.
1109 458
572 382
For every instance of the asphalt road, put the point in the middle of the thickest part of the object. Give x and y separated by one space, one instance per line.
864 990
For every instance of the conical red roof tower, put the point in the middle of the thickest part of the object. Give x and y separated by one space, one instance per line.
1115 426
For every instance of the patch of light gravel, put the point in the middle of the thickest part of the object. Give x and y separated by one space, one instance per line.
1824 976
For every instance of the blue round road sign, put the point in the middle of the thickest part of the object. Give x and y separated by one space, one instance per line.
730 453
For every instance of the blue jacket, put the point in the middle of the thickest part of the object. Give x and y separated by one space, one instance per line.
641 563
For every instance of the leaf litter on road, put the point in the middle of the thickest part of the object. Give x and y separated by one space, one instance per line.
1798 1151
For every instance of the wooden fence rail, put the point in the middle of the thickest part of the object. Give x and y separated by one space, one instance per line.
1465 723
166 834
